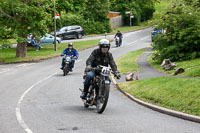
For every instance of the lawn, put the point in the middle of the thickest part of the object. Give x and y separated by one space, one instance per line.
8 55
180 94
127 63
191 67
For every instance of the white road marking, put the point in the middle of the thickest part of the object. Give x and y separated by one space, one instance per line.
145 38
18 110
131 33
25 64
131 43
21 65
5 70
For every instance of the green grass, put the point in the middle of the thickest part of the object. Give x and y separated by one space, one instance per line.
191 67
132 28
180 94
8 55
127 63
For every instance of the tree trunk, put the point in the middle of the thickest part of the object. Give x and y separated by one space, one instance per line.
21 50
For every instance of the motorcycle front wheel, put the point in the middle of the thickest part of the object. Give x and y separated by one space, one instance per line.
66 70
103 99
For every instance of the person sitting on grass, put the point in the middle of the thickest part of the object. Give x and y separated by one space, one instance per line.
34 43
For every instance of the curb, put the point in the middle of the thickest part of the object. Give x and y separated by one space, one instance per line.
158 108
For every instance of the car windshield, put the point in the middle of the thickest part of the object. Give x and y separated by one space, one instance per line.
63 28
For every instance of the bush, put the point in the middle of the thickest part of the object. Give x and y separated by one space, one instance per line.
181 41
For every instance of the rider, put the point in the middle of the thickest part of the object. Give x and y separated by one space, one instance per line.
119 34
99 56
34 43
71 52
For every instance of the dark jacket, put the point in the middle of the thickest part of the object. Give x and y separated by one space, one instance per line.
70 53
98 58
119 34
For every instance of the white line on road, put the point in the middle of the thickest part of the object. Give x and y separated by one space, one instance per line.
131 43
25 64
144 38
18 110
5 70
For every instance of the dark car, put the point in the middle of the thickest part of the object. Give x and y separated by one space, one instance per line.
73 31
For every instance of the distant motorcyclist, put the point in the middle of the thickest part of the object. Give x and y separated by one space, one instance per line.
71 52
100 56
119 34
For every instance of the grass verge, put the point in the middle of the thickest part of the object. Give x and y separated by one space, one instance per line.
8 55
127 63
191 67
180 94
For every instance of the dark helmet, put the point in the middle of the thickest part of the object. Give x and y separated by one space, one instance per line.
70 44
104 43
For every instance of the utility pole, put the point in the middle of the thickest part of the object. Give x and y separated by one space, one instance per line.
55 46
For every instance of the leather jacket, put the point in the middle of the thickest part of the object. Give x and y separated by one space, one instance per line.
98 58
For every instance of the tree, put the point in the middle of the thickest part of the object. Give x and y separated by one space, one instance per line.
18 18
141 9
182 37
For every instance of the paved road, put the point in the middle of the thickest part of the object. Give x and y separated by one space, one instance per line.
37 98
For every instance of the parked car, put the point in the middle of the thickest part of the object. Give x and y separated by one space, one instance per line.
47 39
154 32
73 31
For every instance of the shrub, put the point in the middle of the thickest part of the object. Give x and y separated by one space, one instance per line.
181 41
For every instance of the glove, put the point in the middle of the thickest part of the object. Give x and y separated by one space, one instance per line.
62 55
88 68
75 58
117 75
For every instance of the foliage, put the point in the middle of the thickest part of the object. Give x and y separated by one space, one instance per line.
95 16
21 17
182 37
142 10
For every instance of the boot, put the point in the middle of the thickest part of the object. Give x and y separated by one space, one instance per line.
84 93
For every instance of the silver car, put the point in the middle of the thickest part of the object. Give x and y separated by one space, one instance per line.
47 39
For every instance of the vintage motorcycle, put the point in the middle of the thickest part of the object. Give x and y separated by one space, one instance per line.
117 41
98 92
67 61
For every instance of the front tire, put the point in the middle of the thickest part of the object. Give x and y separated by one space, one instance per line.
66 70
85 105
61 36
102 101
79 36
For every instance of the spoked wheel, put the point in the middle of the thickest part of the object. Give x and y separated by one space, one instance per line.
102 100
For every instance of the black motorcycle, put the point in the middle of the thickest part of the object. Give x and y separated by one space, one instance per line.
67 66
98 92
117 41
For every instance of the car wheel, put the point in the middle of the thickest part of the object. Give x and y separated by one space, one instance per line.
61 37
79 36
